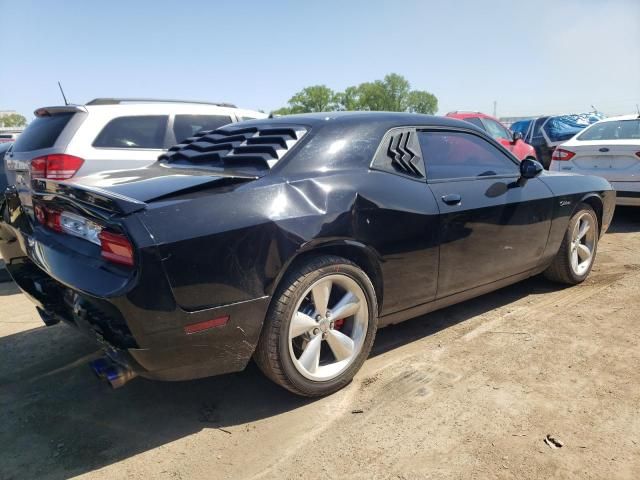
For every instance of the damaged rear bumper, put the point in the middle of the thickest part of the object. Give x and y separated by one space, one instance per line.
167 353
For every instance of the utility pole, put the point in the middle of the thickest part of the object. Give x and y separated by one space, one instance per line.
495 108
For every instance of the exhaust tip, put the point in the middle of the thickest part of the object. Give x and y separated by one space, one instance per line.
118 375
100 366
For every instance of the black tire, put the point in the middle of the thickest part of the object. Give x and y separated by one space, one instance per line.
272 352
560 269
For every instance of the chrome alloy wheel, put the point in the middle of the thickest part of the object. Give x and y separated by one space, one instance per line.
328 327
582 244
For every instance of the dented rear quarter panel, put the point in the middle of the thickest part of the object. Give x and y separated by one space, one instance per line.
247 235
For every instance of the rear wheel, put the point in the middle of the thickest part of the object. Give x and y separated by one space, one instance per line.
574 260
320 327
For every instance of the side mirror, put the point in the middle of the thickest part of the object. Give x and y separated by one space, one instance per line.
530 168
516 136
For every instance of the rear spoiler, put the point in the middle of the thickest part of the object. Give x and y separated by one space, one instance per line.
92 196
49 111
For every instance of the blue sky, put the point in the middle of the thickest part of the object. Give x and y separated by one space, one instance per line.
531 57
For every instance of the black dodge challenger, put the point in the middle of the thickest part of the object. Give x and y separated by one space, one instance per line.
291 240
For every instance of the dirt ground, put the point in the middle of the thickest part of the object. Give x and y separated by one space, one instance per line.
467 392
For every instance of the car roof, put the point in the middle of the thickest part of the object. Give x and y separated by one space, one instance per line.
621 117
463 115
383 119
151 107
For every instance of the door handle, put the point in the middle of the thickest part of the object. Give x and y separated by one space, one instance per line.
452 199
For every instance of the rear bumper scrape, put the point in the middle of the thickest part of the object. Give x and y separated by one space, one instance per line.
166 354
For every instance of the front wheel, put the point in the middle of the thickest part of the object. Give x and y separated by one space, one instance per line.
574 260
320 327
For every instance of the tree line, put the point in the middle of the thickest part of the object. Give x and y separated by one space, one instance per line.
12 120
392 94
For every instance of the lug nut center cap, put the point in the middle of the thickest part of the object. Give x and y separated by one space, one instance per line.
324 325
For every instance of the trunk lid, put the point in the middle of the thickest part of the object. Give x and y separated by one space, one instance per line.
615 161
128 191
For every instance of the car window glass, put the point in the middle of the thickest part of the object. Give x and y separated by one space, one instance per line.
42 132
476 121
147 131
613 130
461 155
185 126
496 130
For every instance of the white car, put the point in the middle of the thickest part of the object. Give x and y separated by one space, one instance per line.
108 134
610 149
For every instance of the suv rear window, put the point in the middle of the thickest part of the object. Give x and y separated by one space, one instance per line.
144 131
185 126
42 132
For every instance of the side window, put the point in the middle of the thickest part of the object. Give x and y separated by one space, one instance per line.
476 121
147 131
185 126
496 130
462 155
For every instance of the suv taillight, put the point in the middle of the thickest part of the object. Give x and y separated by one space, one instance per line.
114 247
58 166
562 155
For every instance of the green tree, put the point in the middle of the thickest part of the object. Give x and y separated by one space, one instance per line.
391 94
317 98
420 101
13 120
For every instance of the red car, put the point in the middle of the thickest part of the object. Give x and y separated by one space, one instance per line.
510 140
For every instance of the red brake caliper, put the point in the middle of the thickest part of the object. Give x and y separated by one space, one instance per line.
338 324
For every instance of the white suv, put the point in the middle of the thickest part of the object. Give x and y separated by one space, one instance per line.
108 134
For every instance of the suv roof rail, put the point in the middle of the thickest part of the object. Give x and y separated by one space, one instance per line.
116 101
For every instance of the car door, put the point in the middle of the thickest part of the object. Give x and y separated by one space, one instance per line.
491 225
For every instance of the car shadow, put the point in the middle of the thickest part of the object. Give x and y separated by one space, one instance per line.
49 396
625 220
57 420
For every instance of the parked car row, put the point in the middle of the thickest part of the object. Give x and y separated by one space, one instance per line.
289 240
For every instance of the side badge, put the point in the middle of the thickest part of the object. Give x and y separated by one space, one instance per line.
564 203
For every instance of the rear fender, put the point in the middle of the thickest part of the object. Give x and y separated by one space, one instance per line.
362 255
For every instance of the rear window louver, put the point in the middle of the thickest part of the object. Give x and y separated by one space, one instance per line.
260 146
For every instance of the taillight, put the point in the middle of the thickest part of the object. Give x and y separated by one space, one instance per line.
59 166
116 248
562 155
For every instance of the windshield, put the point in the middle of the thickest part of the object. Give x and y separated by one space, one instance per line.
614 130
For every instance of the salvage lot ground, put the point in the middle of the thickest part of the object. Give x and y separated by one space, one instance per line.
467 392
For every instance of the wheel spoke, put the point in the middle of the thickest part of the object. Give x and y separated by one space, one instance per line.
347 306
341 345
574 259
584 228
583 252
310 357
301 323
320 294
